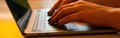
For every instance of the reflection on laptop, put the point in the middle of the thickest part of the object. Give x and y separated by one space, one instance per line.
34 22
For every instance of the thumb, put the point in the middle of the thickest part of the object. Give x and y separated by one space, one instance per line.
69 18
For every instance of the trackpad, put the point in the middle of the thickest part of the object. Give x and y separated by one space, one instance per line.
77 26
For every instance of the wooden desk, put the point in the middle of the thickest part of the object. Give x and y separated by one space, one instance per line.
42 4
8 27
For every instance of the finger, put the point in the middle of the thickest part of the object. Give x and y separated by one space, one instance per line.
59 10
53 18
59 4
67 2
62 7
58 15
66 11
69 18
68 5
54 7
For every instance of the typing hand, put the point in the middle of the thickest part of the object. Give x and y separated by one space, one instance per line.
58 4
82 11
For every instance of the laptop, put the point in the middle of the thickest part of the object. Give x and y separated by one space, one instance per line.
35 22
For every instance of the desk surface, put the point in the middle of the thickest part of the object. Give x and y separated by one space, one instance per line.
43 4
8 27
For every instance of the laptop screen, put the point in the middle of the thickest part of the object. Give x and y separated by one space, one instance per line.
21 11
18 8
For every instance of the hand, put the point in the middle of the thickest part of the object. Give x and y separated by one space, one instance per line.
58 4
82 11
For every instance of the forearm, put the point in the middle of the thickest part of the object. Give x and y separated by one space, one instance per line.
114 18
110 3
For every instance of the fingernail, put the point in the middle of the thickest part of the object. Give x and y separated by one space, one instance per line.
49 14
50 22
49 19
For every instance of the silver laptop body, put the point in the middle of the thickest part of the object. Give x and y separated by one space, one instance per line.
38 26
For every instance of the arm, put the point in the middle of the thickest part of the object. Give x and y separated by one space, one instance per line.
90 13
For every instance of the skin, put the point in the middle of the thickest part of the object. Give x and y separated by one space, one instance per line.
91 13
58 4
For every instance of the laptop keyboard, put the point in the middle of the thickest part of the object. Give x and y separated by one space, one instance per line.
35 23
40 22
